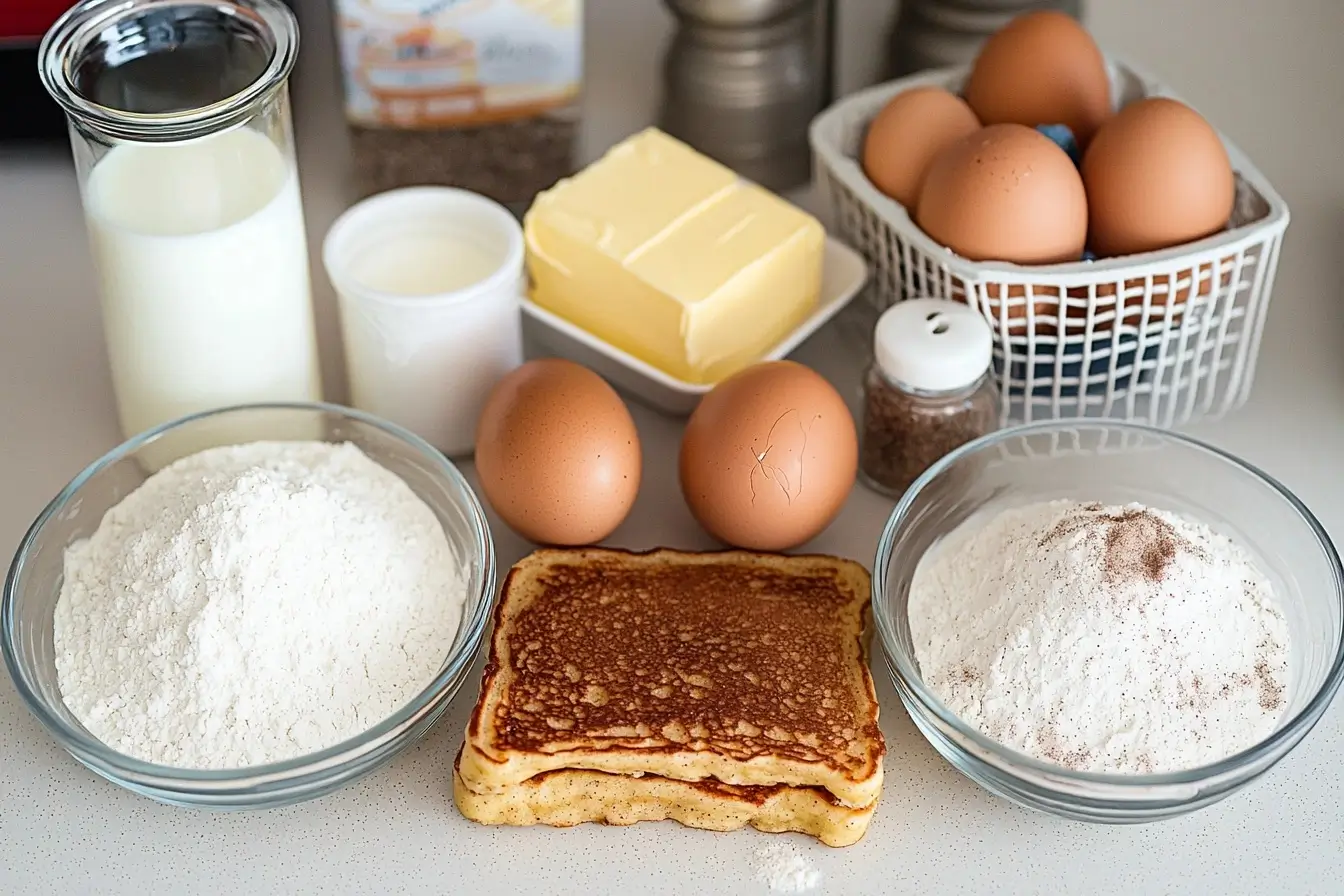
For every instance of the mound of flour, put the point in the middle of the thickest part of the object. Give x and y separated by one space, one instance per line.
254 603
1114 639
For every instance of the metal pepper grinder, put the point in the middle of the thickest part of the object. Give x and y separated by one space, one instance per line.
742 79
938 33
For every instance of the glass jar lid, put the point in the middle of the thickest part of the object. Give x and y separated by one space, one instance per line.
167 70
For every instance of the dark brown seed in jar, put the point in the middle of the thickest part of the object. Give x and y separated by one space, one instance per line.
903 435
508 161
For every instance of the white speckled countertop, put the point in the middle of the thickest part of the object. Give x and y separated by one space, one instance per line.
1266 76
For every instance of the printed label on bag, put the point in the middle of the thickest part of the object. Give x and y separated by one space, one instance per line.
441 63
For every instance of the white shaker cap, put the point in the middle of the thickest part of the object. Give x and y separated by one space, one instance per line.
934 345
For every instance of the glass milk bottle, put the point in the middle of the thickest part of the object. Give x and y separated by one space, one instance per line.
180 125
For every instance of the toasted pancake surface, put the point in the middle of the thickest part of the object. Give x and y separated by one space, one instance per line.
747 668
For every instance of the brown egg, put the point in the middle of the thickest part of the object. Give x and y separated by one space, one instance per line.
769 457
1041 68
1157 175
905 136
557 453
1005 193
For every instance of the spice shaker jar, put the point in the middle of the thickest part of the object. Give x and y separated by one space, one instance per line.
480 95
927 391
179 119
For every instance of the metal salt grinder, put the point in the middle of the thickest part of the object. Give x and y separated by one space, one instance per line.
742 81
939 33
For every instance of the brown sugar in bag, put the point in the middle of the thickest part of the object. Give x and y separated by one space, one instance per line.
471 94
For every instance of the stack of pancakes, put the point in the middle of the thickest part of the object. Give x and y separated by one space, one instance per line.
716 689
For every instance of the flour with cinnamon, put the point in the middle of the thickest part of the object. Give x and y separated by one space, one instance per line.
1115 639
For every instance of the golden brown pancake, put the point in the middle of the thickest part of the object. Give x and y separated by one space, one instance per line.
738 669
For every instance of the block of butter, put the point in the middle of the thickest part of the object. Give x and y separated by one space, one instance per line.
669 256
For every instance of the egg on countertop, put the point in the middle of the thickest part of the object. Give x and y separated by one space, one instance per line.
903 138
557 453
769 457
1157 175
1041 68
1005 193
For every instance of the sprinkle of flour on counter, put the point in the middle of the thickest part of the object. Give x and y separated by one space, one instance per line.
1114 639
253 603
784 869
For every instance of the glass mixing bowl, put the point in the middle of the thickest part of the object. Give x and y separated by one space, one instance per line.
1116 463
34 583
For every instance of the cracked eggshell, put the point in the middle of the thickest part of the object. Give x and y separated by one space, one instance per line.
769 457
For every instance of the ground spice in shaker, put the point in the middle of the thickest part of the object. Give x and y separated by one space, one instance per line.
478 94
928 390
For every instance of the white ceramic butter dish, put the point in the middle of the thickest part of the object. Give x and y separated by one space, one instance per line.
843 274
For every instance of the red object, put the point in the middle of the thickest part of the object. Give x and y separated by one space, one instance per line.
26 111
28 20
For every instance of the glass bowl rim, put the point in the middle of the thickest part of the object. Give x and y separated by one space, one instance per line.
216 782
1292 731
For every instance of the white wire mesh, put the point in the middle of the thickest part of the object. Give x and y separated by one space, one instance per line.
1164 337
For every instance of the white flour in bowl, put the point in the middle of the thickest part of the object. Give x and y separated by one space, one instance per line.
1121 640
254 603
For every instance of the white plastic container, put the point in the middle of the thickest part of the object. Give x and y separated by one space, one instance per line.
184 152
429 281
1164 363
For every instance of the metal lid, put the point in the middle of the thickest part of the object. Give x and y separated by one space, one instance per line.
933 345
167 70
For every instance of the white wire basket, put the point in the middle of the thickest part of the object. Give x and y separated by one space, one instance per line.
1162 337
